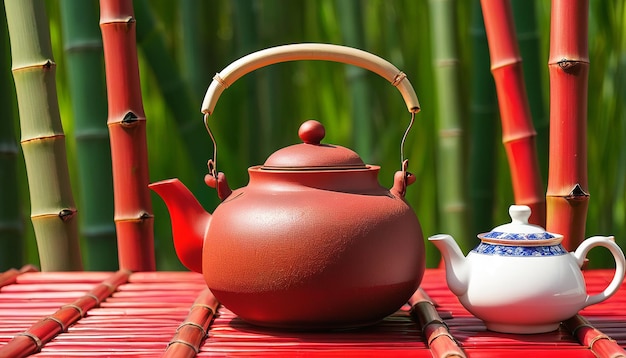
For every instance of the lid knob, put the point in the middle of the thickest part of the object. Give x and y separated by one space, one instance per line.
519 214
311 132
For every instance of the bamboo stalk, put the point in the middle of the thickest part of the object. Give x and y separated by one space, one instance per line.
518 133
127 130
450 159
53 213
10 276
524 14
567 196
599 343
192 332
434 329
247 41
193 54
11 225
607 105
43 331
483 119
349 12
176 94
85 67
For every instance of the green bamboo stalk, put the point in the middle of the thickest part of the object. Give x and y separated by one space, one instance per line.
247 41
151 38
85 67
195 62
53 213
483 119
607 106
524 14
11 225
452 208
350 19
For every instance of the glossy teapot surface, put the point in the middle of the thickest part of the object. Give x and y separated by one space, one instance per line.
520 279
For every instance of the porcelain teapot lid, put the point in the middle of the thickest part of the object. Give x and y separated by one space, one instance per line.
519 232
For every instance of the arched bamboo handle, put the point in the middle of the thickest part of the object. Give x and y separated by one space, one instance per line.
309 51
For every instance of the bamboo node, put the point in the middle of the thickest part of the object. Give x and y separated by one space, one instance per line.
58 321
220 80
190 345
129 119
569 66
195 325
48 64
211 309
597 338
94 297
8 148
78 309
399 78
67 214
577 193
440 334
37 340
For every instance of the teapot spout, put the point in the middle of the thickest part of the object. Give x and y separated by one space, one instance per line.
456 266
189 221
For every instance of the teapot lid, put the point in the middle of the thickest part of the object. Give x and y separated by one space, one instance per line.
312 154
519 232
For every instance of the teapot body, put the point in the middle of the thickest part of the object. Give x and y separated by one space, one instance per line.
313 250
520 279
523 289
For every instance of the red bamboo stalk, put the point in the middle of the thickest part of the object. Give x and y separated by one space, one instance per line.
600 344
10 276
435 331
127 129
567 196
191 333
518 132
44 330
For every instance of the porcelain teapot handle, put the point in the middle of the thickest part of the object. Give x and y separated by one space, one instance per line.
609 243
309 51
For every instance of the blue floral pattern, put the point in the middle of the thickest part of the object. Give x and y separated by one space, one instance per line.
506 250
518 236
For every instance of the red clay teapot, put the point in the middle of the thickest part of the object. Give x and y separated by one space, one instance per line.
313 241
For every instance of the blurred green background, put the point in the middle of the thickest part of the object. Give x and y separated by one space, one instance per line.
182 44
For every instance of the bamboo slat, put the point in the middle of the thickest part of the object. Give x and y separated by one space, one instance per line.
10 276
191 333
34 338
433 326
155 314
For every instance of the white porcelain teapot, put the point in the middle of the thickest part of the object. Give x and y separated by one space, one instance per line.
520 279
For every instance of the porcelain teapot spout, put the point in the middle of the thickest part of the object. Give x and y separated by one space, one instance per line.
455 262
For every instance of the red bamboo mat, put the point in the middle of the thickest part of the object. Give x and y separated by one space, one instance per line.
150 314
